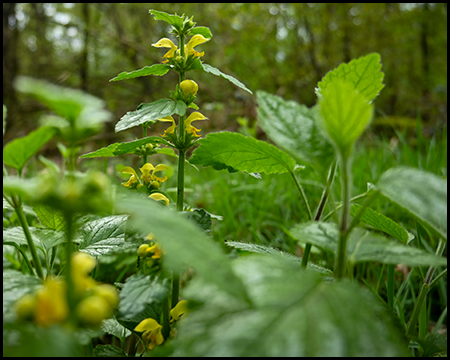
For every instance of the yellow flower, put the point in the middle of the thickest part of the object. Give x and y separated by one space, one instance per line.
152 332
189 87
148 171
195 40
108 293
171 129
82 265
166 43
178 310
155 250
51 303
133 181
193 117
93 310
158 197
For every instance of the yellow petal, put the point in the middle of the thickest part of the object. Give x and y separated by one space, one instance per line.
160 167
195 40
158 197
194 117
128 170
171 129
166 43
179 310
189 87
148 324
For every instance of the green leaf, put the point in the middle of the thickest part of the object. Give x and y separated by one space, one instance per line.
139 291
421 193
113 327
217 72
17 152
345 114
108 351
71 104
294 314
383 223
46 238
104 236
126 147
364 73
174 20
50 217
202 30
183 242
15 285
226 149
150 112
294 128
155 69
365 246
261 249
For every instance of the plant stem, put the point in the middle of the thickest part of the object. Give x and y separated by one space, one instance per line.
68 270
302 194
165 319
144 130
26 230
319 210
340 263
390 286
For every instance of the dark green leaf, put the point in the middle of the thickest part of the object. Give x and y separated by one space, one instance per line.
364 73
108 351
156 69
294 128
139 291
364 246
17 152
217 72
174 20
15 285
226 149
150 112
294 314
421 193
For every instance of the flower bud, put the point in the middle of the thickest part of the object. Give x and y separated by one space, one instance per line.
142 251
189 87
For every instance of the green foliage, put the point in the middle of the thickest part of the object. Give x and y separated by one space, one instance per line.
17 152
365 246
294 313
150 112
294 128
49 217
212 70
422 194
156 69
241 153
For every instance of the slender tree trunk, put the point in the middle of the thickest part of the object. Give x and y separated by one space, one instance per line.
84 54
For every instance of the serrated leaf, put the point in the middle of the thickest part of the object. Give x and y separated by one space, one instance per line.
104 236
41 237
174 20
226 149
184 244
364 73
383 223
108 351
294 314
421 193
202 30
139 291
294 128
364 246
17 152
212 70
113 327
50 217
155 69
344 114
261 249
150 112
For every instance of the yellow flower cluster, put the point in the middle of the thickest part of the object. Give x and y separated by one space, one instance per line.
187 124
148 176
49 305
146 249
188 48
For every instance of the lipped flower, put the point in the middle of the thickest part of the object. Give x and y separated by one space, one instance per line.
158 197
148 176
193 117
171 129
146 249
152 335
166 43
179 309
133 181
195 40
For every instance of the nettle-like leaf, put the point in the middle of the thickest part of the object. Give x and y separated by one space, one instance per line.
212 70
226 149
155 69
345 113
364 246
294 312
421 193
50 217
17 152
201 30
175 20
104 236
364 73
142 291
382 223
183 243
294 128
129 147
151 112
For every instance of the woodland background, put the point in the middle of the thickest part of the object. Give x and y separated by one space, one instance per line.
284 49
